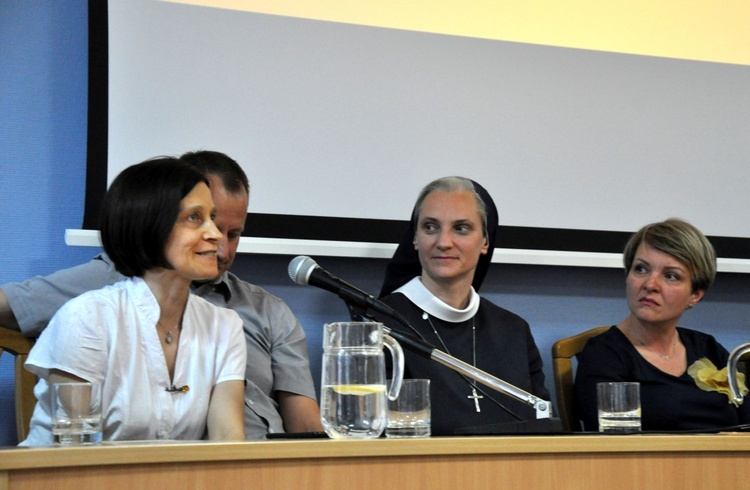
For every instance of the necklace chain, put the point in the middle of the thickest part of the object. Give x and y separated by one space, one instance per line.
474 395
663 357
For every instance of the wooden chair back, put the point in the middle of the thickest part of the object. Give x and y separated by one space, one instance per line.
562 367
13 342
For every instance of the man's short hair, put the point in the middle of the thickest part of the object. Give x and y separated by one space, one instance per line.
214 163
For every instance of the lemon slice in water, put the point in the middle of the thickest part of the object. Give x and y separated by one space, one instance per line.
359 390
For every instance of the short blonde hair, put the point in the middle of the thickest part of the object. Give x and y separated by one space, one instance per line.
682 241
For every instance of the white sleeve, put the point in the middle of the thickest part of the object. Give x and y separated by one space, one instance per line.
74 342
231 356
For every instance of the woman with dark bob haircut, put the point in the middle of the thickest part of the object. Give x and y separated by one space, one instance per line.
669 267
170 364
138 213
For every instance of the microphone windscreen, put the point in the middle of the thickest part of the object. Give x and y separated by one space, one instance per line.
300 268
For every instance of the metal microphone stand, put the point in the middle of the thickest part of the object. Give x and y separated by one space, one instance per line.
543 407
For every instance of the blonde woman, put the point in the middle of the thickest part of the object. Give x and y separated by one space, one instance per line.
669 267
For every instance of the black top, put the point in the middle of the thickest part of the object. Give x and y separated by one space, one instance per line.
504 348
667 402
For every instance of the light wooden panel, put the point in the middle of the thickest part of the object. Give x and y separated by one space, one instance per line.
715 461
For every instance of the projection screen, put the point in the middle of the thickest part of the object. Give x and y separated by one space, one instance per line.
339 124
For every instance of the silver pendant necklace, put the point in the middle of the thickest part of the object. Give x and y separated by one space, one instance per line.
168 337
474 395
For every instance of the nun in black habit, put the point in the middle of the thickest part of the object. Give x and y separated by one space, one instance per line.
432 281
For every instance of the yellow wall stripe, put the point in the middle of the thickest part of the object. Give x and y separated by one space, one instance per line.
706 30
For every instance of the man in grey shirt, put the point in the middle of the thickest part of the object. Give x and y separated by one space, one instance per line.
279 391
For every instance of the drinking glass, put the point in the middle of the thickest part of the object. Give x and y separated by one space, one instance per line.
76 414
619 406
409 413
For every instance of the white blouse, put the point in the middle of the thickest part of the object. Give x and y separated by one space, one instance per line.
109 336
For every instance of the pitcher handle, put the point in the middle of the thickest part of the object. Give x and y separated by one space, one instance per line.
732 376
398 365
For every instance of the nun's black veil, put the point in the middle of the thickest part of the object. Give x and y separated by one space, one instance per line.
405 262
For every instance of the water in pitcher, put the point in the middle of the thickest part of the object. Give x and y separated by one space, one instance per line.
353 411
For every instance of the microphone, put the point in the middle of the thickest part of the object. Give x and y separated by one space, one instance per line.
305 271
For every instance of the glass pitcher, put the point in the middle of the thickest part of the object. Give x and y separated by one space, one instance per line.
353 389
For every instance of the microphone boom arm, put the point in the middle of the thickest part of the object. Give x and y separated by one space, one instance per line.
542 407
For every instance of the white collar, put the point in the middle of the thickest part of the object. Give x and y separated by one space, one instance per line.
429 303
